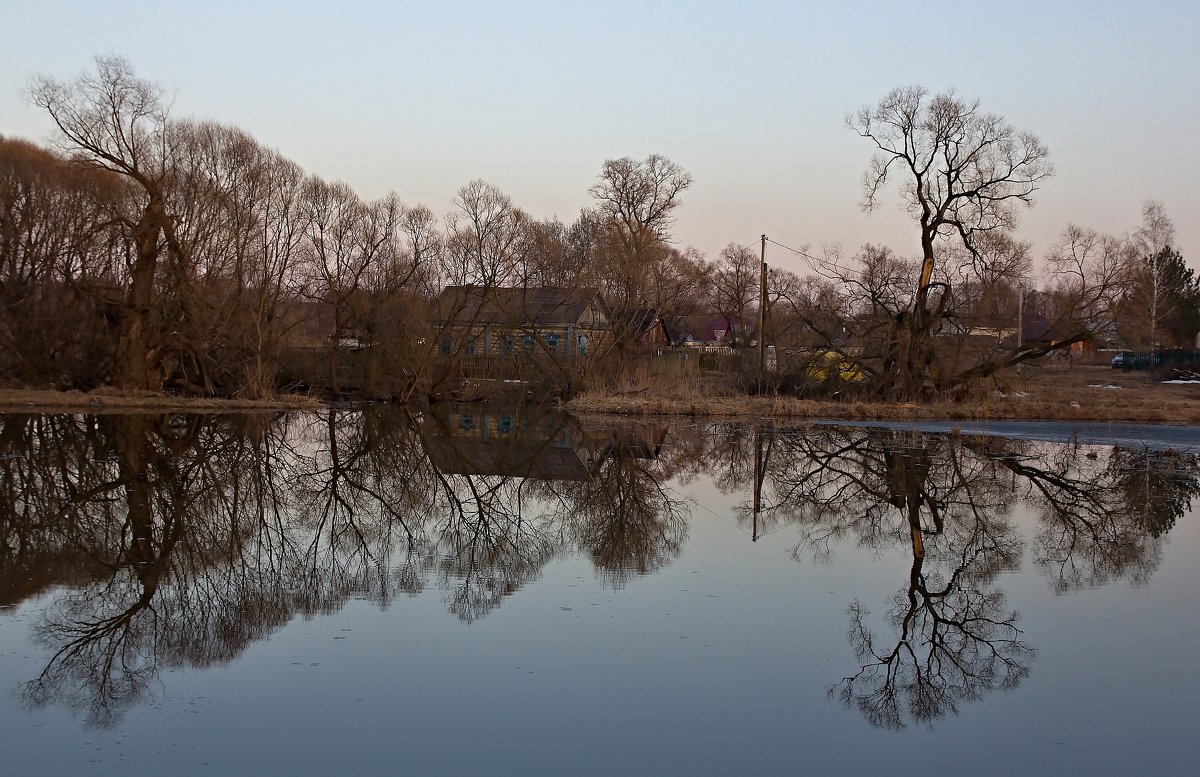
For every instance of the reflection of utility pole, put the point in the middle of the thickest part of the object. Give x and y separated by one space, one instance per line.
758 479
762 310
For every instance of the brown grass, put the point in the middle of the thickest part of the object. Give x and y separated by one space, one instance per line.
1045 394
108 399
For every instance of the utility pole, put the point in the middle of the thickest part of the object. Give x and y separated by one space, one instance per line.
762 311
1020 316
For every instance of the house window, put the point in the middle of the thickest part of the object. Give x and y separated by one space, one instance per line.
583 344
506 424
506 345
527 342
466 423
551 342
445 345
469 350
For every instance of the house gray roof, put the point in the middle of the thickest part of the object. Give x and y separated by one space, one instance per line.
534 305
638 322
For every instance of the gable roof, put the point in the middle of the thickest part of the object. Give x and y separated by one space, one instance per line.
533 305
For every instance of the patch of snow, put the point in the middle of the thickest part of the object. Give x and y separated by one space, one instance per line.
1180 382
1106 386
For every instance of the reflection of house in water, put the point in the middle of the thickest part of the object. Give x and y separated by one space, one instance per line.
631 440
485 441
543 446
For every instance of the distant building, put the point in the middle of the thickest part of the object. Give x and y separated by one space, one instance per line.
707 331
479 321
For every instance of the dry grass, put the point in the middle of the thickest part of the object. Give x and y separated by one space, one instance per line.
1047 394
107 399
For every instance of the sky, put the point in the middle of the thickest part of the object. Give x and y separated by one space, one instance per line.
749 97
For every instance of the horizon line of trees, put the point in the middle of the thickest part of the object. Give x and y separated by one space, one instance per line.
145 251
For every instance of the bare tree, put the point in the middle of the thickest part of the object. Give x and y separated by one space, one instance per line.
240 221
962 173
115 121
425 247
58 268
1088 272
637 201
355 251
735 285
484 236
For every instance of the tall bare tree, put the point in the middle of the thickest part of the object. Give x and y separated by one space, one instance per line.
113 120
961 173
637 201
241 224
484 235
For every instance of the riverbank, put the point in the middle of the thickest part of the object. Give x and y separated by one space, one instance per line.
112 400
1080 394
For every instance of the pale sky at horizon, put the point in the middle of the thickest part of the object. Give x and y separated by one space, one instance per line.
750 98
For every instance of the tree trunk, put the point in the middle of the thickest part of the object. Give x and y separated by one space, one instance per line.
334 348
133 344
132 433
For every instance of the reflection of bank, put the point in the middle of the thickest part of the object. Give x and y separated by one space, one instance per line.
543 445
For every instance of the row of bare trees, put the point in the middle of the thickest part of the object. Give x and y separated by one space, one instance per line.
148 251
145 251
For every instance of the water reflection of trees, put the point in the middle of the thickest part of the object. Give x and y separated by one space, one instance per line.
113 497
179 541
948 501
624 516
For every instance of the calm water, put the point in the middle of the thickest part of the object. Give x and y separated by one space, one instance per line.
480 592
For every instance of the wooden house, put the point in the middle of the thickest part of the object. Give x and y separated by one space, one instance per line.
481 321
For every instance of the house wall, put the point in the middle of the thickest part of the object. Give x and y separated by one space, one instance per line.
563 341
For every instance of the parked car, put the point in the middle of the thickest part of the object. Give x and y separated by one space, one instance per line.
1118 361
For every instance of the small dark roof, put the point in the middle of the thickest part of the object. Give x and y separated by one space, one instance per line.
643 317
544 305
678 331
637 322
703 328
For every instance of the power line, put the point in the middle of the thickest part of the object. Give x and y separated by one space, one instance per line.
796 251
817 263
